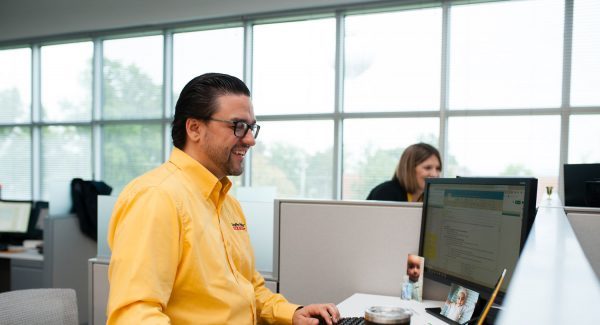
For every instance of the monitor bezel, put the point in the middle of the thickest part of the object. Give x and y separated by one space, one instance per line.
17 237
529 210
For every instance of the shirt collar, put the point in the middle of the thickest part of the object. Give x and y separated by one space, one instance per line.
204 181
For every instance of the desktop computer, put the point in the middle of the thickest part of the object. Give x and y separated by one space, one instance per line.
474 228
19 221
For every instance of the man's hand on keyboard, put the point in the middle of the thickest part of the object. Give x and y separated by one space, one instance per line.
312 314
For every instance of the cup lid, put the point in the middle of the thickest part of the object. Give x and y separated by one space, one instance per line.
388 315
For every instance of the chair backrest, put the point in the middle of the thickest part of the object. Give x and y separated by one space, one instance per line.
39 306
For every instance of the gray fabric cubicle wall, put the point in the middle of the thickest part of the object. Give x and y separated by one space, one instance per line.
66 252
328 250
586 226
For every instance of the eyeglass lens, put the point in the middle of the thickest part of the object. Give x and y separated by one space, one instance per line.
241 128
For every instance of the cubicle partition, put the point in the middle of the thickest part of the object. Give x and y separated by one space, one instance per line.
66 252
257 204
62 265
328 250
322 250
586 226
554 282
98 266
325 251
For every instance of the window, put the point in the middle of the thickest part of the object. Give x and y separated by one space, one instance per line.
15 162
66 96
297 157
294 67
506 55
67 82
133 77
129 150
372 149
586 51
66 154
15 107
584 135
393 61
195 53
15 86
489 77
505 146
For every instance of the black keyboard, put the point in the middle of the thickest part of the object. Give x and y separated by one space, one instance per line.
344 320
351 321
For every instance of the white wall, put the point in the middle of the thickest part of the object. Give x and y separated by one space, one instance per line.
22 19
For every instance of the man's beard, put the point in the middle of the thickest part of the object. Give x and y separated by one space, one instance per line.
223 158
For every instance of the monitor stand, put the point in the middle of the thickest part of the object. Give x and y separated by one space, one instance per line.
436 311
489 320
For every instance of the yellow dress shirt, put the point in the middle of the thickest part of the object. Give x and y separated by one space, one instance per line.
181 253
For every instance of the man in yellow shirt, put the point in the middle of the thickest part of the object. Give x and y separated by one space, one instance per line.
180 250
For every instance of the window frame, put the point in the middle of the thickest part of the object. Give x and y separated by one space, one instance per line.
338 116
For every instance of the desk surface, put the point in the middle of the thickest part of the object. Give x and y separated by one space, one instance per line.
356 305
29 254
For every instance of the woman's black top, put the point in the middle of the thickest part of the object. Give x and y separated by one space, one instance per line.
388 191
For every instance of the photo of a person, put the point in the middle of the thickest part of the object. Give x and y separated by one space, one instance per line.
460 304
413 288
455 309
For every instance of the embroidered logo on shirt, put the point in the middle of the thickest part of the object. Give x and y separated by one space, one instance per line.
238 226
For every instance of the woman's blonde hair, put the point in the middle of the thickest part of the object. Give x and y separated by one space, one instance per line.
410 159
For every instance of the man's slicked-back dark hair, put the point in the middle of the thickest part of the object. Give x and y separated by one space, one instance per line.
198 100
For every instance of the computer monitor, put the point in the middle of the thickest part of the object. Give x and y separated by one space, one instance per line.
18 221
14 221
473 228
580 184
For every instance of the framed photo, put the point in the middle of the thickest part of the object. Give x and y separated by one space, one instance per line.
413 288
460 304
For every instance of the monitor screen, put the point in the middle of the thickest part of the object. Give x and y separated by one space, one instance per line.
473 228
577 179
14 216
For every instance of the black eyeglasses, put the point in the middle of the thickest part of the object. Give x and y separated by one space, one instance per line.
240 128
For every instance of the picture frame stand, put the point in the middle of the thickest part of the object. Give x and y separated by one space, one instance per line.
490 319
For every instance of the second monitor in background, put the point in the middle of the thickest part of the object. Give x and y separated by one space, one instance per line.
19 221
582 185
473 228
14 222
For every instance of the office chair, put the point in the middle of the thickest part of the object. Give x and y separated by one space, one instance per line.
39 307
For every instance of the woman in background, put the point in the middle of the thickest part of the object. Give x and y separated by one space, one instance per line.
418 162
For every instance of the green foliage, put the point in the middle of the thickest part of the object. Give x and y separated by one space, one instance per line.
376 167
129 151
516 170
12 105
319 174
129 92
294 171
265 174
453 168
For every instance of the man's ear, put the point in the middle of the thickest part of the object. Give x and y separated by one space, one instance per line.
194 129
